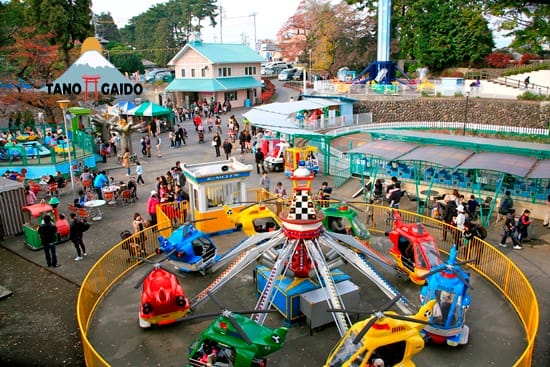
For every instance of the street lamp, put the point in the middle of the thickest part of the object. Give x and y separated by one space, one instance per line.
310 78
466 114
64 104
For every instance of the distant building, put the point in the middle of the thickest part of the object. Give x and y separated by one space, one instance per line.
215 71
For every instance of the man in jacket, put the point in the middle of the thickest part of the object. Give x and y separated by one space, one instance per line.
48 236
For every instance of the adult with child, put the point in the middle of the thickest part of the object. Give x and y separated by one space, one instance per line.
523 225
510 230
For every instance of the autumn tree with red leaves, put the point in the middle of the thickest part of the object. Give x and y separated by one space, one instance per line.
34 61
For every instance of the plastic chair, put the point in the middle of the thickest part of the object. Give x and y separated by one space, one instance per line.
109 197
87 185
83 213
53 189
126 197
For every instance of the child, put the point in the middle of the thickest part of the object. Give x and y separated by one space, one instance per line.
139 173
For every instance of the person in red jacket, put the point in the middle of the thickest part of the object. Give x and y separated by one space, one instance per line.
523 224
152 203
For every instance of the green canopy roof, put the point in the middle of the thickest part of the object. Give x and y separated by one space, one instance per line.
149 109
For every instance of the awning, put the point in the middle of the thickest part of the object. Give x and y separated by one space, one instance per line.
540 170
212 85
515 165
385 149
149 109
443 156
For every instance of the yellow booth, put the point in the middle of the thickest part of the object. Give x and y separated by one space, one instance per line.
211 185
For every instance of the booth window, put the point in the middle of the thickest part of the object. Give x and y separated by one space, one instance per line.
223 193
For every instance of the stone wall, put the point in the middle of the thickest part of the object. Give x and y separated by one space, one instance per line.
483 111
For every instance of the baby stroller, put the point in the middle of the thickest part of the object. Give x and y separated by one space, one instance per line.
201 136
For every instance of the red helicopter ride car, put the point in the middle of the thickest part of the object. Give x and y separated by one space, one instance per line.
163 300
414 249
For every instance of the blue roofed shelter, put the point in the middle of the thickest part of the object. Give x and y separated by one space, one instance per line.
216 71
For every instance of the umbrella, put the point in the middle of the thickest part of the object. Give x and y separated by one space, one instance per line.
149 109
124 106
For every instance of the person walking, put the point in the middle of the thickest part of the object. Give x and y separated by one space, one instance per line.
76 234
259 158
217 143
126 161
139 173
506 203
523 225
227 146
509 230
48 237
449 213
158 142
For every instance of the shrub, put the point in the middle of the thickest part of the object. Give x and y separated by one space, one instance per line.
526 57
498 59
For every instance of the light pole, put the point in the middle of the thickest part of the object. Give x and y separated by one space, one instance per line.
64 104
466 114
310 78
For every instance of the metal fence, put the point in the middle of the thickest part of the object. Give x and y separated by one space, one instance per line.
490 263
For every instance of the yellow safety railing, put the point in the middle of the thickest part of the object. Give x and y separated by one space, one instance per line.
491 264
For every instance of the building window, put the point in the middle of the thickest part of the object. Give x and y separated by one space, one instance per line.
183 73
203 73
230 96
192 73
250 70
224 72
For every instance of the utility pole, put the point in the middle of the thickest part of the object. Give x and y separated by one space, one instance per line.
255 40
221 23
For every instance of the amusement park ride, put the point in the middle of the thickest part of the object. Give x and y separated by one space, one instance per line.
253 219
163 301
449 285
414 249
234 340
383 339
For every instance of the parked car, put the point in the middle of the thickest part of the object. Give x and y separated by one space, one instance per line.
165 76
269 71
286 74
298 75
150 77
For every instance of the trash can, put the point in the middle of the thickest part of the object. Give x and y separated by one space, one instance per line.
247 103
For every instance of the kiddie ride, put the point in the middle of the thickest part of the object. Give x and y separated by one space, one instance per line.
192 250
253 219
234 340
384 339
163 301
300 250
33 215
414 249
448 284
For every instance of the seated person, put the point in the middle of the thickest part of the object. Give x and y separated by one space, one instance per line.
337 225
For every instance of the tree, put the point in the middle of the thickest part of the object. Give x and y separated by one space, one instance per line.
67 21
12 17
106 28
458 34
527 21
33 59
124 58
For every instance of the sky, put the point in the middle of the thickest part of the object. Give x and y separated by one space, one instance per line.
237 23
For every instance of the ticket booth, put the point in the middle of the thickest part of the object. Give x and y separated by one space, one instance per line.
294 155
211 185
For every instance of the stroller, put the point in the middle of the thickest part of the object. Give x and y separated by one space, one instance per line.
201 136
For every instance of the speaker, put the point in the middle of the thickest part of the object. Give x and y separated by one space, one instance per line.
225 168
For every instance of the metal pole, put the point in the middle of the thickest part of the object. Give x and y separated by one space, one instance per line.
64 104
466 114
310 78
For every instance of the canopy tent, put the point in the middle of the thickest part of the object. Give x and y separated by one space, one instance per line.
385 149
149 109
125 106
515 165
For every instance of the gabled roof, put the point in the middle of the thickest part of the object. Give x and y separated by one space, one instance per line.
220 53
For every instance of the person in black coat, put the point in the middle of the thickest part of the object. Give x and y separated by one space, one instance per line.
48 237
449 213
259 158
76 235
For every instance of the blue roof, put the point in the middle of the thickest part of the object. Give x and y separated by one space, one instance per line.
221 53
212 85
